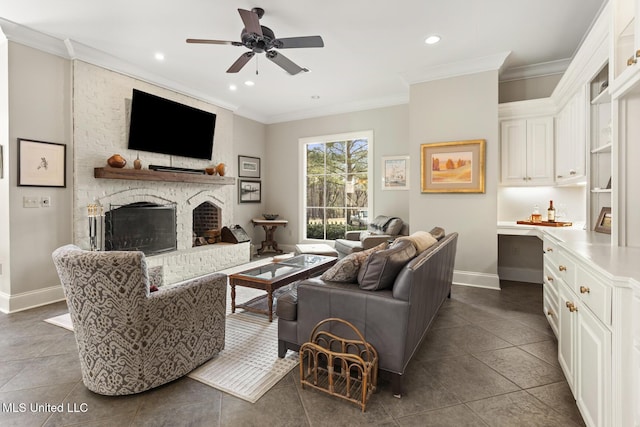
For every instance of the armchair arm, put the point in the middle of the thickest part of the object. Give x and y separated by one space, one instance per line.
374 240
352 235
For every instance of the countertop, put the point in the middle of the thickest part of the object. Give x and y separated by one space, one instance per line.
621 264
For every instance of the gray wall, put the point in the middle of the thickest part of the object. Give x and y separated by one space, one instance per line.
5 270
249 138
280 166
456 109
532 88
40 109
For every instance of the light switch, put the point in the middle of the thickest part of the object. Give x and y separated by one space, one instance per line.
30 202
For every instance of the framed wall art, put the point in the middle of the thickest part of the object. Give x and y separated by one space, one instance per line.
249 191
41 164
453 167
603 225
248 167
1 160
395 172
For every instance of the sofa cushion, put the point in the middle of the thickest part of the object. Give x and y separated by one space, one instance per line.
347 268
381 268
287 304
422 240
438 233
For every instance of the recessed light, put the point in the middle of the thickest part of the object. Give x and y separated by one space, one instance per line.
432 39
249 83
233 87
159 56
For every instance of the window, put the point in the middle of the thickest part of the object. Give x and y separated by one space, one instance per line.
335 180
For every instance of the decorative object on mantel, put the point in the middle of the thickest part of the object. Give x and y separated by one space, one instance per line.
211 170
137 164
116 161
270 216
95 213
221 168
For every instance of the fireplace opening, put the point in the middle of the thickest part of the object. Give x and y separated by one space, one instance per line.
206 224
146 227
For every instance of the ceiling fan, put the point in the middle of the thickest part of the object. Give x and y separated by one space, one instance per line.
259 39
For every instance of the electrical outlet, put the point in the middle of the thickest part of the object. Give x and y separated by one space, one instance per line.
30 202
45 201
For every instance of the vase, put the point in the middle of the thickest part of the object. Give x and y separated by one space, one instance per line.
221 169
116 161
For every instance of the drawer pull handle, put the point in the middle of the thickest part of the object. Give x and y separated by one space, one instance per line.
573 308
631 61
584 290
549 278
549 249
562 268
550 313
569 304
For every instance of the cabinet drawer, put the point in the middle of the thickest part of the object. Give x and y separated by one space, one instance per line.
594 294
551 313
551 251
550 282
566 270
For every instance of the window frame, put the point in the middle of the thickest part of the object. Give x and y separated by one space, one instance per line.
302 176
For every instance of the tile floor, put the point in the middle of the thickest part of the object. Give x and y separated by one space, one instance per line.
489 360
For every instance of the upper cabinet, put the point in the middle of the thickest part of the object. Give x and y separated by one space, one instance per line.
625 56
527 151
571 140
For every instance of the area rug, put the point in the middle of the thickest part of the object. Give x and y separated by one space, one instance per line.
249 364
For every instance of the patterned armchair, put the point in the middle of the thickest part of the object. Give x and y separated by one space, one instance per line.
130 339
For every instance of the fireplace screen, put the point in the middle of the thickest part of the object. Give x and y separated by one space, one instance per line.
145 227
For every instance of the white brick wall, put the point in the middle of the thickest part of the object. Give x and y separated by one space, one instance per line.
101 100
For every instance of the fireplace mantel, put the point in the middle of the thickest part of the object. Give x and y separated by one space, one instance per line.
150 175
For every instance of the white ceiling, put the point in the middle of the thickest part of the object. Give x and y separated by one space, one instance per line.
374 49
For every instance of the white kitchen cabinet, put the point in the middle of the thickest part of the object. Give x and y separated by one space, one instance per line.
571 140
626 45
527 151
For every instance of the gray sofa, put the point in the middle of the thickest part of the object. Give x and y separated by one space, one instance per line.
394 320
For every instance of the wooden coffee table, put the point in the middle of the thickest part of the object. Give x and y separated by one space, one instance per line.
275 275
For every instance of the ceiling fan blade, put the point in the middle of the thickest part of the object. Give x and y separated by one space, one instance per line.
251 21
207 41
284 62
298 42
240 62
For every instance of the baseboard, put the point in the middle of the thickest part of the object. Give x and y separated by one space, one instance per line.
31 299
519 274
478 280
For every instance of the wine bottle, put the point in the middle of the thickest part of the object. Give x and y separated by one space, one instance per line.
551 212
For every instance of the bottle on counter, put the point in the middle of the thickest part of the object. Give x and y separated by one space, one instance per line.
551 212
536 217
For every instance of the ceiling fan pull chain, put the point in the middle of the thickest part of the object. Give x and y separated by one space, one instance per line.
257 65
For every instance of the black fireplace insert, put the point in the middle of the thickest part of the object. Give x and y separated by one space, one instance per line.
146 227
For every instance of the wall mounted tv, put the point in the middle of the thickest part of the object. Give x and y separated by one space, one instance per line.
159 125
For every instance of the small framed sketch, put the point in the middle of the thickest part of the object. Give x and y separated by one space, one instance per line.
395 172
248 167
41 164
249 191
603 225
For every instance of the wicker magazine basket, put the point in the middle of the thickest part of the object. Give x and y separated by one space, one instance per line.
346 368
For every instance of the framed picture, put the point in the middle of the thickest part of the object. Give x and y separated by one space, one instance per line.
248 167
249 191
41 164
395 172
1 160
603 225
453 167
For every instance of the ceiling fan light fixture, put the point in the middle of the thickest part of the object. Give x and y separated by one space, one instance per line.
159 56
233 87
432 39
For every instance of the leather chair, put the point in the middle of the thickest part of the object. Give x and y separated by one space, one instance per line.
130 339
381 229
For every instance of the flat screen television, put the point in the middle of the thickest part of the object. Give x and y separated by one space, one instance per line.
159 125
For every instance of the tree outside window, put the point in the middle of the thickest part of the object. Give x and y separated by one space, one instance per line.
337 187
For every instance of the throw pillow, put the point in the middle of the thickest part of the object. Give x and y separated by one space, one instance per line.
422 240
381 268
346 269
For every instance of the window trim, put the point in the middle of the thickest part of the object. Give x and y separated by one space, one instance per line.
302 187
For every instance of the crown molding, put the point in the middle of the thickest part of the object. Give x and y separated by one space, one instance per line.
455 69
535 70
74 50
528 108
